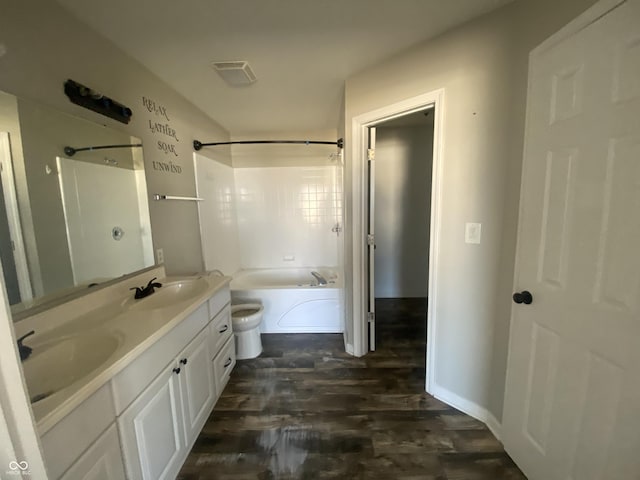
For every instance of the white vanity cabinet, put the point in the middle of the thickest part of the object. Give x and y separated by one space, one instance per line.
102 461
152 430
197 385
92 424
159 427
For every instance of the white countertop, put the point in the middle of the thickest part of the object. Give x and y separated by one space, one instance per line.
136 330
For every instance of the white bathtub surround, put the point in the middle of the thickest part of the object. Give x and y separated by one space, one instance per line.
217 213
286 216
292 299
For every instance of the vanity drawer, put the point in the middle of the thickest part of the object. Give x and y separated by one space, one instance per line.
131 381
220 330
65 442
219 300
223 363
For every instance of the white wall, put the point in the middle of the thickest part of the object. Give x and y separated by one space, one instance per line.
285 216
218 217
402 210
482 66
45 45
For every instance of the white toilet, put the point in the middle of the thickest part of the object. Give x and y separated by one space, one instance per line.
246 319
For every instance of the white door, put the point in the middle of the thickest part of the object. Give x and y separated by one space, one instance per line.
371 151
152 430
196 385
572 402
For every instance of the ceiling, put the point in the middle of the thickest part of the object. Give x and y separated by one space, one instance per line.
301 51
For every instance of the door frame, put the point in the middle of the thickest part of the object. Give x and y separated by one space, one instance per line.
359 127
13 217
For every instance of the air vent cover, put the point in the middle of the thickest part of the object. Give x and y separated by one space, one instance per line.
236 73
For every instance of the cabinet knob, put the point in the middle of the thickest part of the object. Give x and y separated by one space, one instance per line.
176 370
223 329
183 361
228 362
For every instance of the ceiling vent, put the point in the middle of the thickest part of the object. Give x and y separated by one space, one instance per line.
236 74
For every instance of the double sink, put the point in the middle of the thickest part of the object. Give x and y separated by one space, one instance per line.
69 355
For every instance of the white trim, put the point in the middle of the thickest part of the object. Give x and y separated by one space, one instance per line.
359 209
470 408
15 409
348 348
13 217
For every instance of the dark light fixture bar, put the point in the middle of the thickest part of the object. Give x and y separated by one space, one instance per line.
197 145
71 151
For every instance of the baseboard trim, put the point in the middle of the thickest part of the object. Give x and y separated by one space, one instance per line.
470 408
349 348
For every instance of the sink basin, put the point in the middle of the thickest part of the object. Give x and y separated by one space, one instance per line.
169 294
57 364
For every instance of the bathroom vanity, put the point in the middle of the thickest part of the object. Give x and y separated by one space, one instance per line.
137 379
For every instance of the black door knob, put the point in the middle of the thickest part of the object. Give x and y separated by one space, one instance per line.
523 297
176 370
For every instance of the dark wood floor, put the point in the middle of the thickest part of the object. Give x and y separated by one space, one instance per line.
305 409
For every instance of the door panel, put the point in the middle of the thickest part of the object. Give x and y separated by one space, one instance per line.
572 403
197 387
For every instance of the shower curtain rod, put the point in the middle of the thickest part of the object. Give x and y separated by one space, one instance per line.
197 145
70 151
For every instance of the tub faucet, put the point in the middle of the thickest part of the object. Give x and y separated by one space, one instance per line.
321 280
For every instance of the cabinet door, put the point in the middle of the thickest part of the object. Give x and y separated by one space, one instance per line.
102 461
152 431
196 385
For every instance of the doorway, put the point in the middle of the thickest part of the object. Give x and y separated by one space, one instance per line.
399 213
363 261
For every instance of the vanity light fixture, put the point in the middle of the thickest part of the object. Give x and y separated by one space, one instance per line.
95 101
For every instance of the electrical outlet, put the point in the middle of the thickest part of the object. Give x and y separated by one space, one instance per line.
159 256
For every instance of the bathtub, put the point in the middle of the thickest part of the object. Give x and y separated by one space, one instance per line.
293 301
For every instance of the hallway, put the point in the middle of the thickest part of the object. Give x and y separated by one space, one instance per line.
305 409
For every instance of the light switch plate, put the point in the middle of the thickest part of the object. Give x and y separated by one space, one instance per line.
472 233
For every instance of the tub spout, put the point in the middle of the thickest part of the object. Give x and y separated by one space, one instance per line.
321 280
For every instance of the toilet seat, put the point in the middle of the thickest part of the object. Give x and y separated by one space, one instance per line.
246 316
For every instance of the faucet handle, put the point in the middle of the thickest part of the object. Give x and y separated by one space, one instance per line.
21 339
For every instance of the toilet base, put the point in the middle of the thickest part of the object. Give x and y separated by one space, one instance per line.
248 344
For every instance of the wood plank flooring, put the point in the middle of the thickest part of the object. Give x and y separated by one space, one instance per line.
306 410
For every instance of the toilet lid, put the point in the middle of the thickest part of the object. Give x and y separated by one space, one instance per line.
245 312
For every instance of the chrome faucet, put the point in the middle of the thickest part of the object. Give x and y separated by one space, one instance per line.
321 280
24 350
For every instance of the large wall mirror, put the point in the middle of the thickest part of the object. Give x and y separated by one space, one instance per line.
68 221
